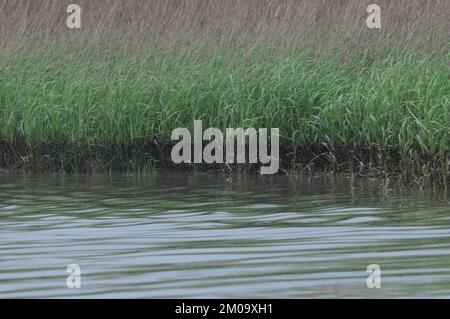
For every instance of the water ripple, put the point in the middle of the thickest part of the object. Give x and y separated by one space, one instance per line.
204 236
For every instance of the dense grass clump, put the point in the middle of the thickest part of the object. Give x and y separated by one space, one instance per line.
390 110
108 95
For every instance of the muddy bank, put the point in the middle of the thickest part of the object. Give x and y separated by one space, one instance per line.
148 154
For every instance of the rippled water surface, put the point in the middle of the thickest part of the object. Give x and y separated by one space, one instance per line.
184 235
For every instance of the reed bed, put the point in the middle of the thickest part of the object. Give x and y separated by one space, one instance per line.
108 96
281 22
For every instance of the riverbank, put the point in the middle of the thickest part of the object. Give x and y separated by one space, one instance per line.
372 102
73 112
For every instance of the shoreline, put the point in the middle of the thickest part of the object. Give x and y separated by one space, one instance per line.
366 112
147 155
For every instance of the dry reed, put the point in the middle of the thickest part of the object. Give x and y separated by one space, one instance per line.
282 22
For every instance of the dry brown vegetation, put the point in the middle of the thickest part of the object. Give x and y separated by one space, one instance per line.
341 21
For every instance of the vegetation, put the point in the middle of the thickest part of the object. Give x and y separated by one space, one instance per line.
110 99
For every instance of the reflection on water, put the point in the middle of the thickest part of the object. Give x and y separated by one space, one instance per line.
178 235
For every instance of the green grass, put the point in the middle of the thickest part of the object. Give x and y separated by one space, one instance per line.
397 102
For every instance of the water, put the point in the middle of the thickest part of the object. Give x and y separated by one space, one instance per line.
184 235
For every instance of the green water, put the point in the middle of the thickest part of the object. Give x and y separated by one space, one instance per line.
186 235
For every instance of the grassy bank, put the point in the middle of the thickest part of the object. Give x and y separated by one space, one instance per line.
390 111
108 96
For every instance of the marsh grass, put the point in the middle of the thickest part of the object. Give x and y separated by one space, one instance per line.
344 99
341 23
